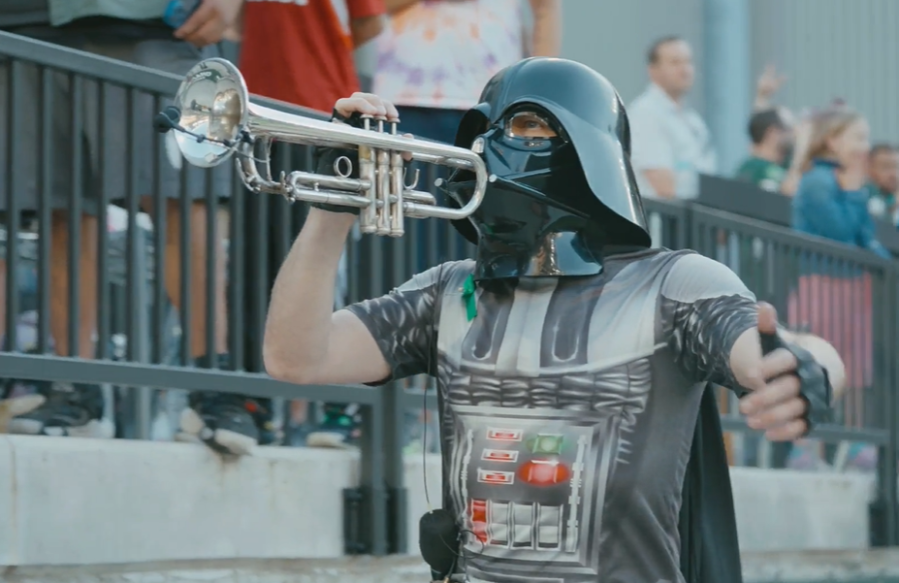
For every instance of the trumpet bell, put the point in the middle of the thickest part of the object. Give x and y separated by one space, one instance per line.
217 120
213 100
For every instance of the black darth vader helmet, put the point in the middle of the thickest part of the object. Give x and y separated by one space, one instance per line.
555 137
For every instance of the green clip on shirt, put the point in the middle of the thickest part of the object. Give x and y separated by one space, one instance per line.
469 296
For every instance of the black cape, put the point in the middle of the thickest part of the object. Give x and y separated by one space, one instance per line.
710 552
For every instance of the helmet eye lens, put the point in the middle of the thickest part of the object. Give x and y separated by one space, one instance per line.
530 126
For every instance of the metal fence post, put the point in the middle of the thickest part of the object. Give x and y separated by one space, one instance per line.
395 425
888 470
365 520
143 404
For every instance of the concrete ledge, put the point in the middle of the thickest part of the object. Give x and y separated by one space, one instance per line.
871 566
81 501
67 501
781 510
807 567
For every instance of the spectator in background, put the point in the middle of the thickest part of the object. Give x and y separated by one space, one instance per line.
671 144
771 132
133 31
302 53
437 55
883 186
768 83
834 300
831 201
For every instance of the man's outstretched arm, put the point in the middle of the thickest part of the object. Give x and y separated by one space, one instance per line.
717 332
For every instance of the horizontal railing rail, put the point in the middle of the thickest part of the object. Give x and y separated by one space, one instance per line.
87 65
114 158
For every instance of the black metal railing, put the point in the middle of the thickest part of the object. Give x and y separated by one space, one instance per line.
843 294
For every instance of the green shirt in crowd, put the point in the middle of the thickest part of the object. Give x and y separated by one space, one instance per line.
763 173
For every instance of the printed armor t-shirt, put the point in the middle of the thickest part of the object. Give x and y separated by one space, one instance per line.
568 407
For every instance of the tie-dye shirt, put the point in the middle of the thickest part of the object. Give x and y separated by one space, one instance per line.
441 53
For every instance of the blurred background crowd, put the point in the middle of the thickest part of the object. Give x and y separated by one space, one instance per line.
803 132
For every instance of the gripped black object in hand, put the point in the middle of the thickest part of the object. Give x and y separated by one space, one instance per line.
814 385
326 158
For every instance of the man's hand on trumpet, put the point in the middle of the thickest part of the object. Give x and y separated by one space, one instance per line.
353 111
360 104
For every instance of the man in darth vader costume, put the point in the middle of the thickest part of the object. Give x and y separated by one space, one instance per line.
580 435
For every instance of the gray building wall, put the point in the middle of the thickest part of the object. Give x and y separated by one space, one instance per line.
612 36
834 48
828 48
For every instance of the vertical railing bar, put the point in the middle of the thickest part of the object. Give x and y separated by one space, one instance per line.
15 184
104 304
75 211
452 242
260 279
136 272
236 258
353 267
160 230
376 244
184 229
45 235
285 209
132 277
432 240
212 255
892 406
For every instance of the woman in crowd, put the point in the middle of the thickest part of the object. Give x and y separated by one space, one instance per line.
831 201
833 299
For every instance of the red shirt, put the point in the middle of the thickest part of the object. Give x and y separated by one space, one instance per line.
301 51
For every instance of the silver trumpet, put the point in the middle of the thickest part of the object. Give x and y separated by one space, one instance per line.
217 121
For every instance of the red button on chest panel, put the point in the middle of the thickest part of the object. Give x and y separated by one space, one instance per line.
543 472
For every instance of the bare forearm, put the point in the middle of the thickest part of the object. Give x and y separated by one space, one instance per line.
791 181
662 181
234 33
546 40
299 318
761 103
366 29
397 5
747 351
